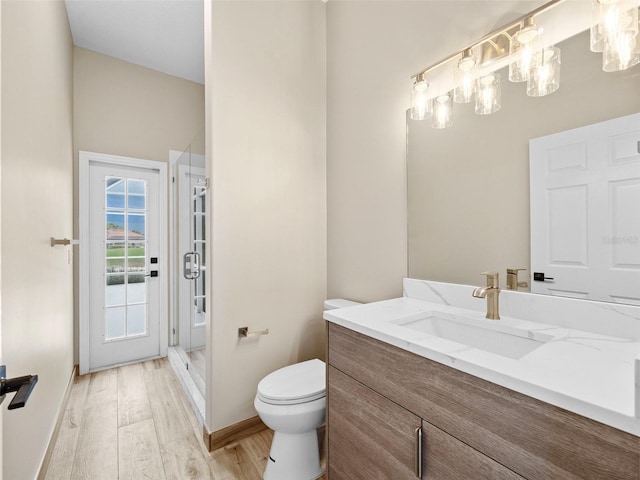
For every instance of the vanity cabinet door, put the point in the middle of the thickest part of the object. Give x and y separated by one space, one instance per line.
370 437
447 458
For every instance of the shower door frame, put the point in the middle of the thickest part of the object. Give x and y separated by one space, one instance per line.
200 380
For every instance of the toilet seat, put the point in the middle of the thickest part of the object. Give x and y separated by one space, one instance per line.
300 383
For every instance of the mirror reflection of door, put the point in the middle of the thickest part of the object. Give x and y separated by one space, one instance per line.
585 203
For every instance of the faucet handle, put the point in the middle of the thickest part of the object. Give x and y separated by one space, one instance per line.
514 271
492 279
512 279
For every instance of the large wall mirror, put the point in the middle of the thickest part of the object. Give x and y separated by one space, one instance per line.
469 185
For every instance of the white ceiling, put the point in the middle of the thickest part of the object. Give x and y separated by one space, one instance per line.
164 35
168 35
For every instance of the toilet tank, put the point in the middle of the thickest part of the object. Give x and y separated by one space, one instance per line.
334 303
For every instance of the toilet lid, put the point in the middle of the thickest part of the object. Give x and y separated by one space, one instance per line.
299 383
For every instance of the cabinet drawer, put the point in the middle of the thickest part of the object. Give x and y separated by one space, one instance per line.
530 437
370 437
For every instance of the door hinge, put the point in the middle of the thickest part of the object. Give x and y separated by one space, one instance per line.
173 179
173 330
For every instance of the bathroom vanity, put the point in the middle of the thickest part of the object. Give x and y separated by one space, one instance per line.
408 398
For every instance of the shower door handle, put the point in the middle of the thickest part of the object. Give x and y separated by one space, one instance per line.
191 265
196 267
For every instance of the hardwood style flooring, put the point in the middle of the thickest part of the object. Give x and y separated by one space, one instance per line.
134 422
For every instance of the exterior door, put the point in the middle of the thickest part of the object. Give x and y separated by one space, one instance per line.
585 227
126 308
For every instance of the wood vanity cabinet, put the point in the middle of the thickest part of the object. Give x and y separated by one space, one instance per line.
378 395
374 438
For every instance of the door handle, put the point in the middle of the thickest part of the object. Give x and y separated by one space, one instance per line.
191 265
418 471
539 277
187 269
22 385
152 273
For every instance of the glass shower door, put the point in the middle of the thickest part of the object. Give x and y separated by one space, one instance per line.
190 214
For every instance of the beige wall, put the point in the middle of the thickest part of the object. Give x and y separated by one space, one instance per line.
127 110
37 196
266 62
372 50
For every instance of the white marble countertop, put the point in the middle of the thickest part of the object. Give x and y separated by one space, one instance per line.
587 373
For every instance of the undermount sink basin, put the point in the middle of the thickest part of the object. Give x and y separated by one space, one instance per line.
490 337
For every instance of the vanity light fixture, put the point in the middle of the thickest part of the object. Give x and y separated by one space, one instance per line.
615 33
544 77
421 106
524 45
480 59
442 111
622 53
465 75
488 96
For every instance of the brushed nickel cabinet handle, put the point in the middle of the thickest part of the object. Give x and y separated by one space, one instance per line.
418 465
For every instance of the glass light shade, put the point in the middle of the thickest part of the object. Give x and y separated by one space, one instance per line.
488 94
421 106
610 18
442 111
464 77
522 48
545 73
621 52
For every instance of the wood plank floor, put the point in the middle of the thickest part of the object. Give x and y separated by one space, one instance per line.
134 422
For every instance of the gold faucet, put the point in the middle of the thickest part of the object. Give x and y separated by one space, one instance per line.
512 279
491 292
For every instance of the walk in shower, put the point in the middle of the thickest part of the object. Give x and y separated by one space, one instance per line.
188 253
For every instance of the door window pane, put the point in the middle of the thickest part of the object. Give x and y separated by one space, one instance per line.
135 249
115 264
136 289
115 227
136 195
136 227
114 323
114 185
114 290
115 200
136 320
135 264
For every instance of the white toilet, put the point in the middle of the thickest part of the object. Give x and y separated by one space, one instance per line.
291 401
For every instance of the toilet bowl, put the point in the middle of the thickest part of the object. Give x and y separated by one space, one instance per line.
291 401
